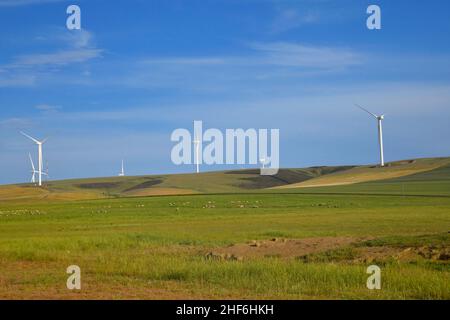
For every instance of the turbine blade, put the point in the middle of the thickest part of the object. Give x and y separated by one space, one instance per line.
31 138
32 164
43 141
374 115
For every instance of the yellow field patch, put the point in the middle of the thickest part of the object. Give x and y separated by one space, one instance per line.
371 173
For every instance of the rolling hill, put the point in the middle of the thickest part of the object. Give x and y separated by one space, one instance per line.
362 174
435 172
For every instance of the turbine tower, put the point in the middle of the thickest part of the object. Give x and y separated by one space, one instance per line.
122 173
196 143
380 132
39 144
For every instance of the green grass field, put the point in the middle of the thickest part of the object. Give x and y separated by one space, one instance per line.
233 238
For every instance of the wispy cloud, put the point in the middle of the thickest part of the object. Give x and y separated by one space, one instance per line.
17 3
289 19
80 49
188 61
276 54
47 108
301 55
17 80
25 69
79 38
58 58
15 123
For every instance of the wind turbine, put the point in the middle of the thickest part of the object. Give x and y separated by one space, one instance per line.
46 172
263 162
196 143
380 132
122 173
33 170
39 144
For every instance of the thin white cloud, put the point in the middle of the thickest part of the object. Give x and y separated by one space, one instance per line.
17 80
300 55
289 19
15 123
47 108
81 49
58 58
188 61
27 69
18 3
78 38
275 53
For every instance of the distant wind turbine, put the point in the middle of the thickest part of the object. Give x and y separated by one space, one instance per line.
39 144
196 143
122 173
33 170
380 132
47 176
263 162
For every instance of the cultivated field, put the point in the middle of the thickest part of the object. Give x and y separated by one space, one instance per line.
230 235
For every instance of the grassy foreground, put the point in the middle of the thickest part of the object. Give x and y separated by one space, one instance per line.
156 247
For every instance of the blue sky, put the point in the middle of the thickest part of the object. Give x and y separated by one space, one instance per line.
140 69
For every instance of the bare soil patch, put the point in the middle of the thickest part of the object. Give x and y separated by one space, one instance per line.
281 248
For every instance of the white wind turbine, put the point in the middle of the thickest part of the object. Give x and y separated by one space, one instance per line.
122 173
196 143
380 132
33 170
39 144
263 162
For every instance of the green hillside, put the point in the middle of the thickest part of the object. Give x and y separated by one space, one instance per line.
208 182
420 176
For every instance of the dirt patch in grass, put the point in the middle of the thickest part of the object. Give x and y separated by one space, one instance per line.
332 249
357 252
280 248
409 254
